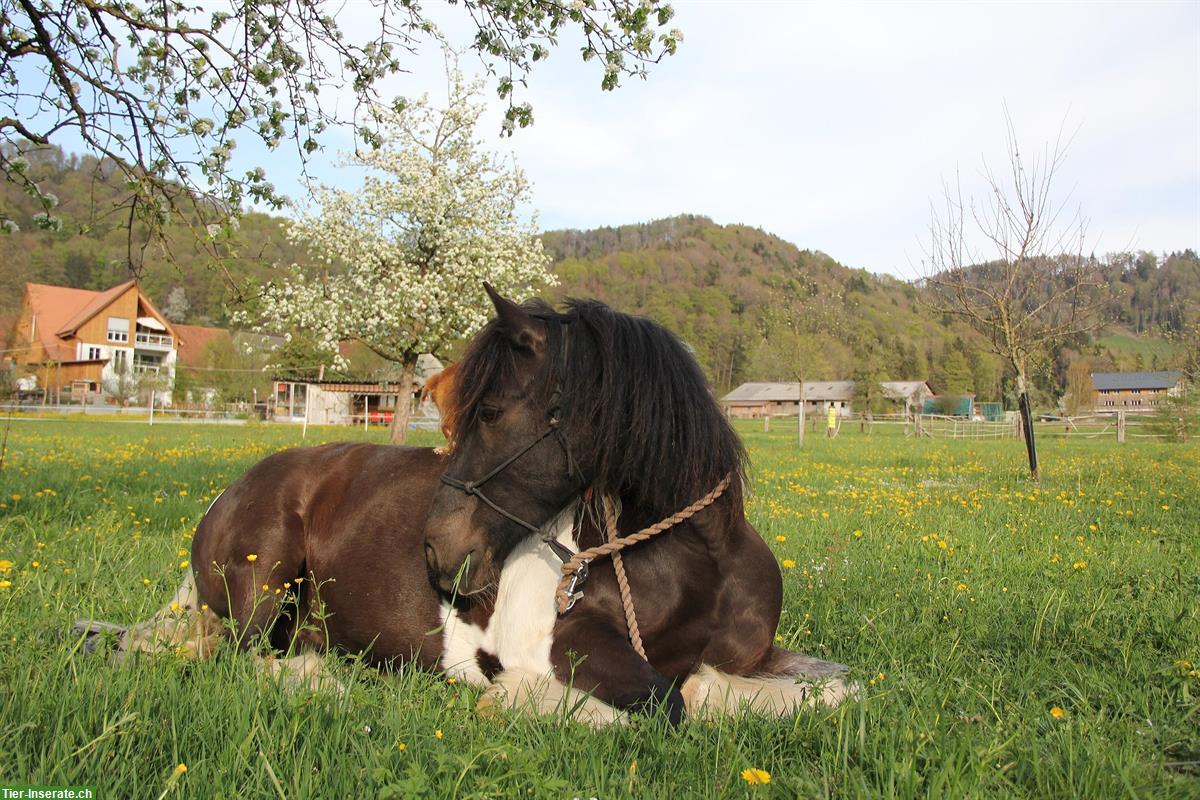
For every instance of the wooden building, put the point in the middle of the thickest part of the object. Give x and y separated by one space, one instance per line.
76 341
783 399
1138 392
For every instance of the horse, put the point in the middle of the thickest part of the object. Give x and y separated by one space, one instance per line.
588 410
345 547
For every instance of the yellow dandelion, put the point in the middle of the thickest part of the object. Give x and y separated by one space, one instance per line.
858 534
1057 713
788 563
5 584
6 565
781 538
184 564
438 733
145 581
252 557
183 492
756 777
181 768
401 746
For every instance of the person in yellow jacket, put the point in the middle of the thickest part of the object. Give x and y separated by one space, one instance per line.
831 429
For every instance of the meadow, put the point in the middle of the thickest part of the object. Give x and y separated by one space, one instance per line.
1013 639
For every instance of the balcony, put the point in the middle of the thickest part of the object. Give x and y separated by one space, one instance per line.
142 369
153 341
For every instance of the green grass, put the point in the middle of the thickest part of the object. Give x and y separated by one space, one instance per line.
975 601
1128 346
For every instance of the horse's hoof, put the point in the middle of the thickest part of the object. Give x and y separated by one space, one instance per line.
93 632
486 708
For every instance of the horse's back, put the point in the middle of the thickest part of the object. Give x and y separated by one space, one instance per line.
340 525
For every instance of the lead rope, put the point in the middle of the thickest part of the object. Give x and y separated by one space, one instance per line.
613 548
635 635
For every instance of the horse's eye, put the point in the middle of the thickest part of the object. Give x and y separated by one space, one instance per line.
488 415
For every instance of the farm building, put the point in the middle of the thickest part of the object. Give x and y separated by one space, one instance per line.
907 394
342 402
1134 391
783 399
77 342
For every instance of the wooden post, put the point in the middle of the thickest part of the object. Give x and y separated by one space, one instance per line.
366 412
766 423
307 404
151 405
1121 426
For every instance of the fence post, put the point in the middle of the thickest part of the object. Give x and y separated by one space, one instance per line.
1120 426
766 423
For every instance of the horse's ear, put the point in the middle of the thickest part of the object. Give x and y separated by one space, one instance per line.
524 331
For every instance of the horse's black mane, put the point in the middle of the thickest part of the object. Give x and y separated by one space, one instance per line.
634 403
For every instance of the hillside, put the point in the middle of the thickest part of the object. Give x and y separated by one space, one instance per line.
728 290
751 305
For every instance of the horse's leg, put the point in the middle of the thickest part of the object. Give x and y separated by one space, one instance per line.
709 692
527 692
589 654
250 588
306 671
183 626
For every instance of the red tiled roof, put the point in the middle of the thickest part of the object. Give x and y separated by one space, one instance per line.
99 301
55 306
193 342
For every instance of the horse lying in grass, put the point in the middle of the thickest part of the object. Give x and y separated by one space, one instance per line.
455 562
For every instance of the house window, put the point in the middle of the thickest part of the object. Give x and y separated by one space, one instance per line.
118 329
119 361
93 354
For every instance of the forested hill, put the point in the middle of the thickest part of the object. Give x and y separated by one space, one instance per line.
740 298
751 305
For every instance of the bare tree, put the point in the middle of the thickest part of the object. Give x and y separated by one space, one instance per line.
1077 399
1012 265
800 323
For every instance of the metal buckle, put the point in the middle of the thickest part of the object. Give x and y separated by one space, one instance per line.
577 578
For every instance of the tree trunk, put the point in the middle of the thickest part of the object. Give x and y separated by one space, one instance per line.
399 433
800 418
1027 427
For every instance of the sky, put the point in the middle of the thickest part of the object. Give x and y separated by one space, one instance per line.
835 126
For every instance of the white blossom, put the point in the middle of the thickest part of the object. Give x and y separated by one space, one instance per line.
435 217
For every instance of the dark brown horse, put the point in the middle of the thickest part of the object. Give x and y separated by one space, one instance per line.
361 548
554 407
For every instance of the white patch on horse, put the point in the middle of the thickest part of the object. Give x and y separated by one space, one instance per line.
460 642
521 629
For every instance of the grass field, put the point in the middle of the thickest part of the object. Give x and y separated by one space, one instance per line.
1014 640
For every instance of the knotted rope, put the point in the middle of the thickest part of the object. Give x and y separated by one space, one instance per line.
616 544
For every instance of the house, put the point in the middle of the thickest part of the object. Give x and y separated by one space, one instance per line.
783 399
907 394
1141 392
79 343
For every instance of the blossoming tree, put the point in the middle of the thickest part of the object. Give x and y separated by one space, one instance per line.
407 254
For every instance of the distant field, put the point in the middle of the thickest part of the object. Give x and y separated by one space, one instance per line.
1132 346
1014 640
